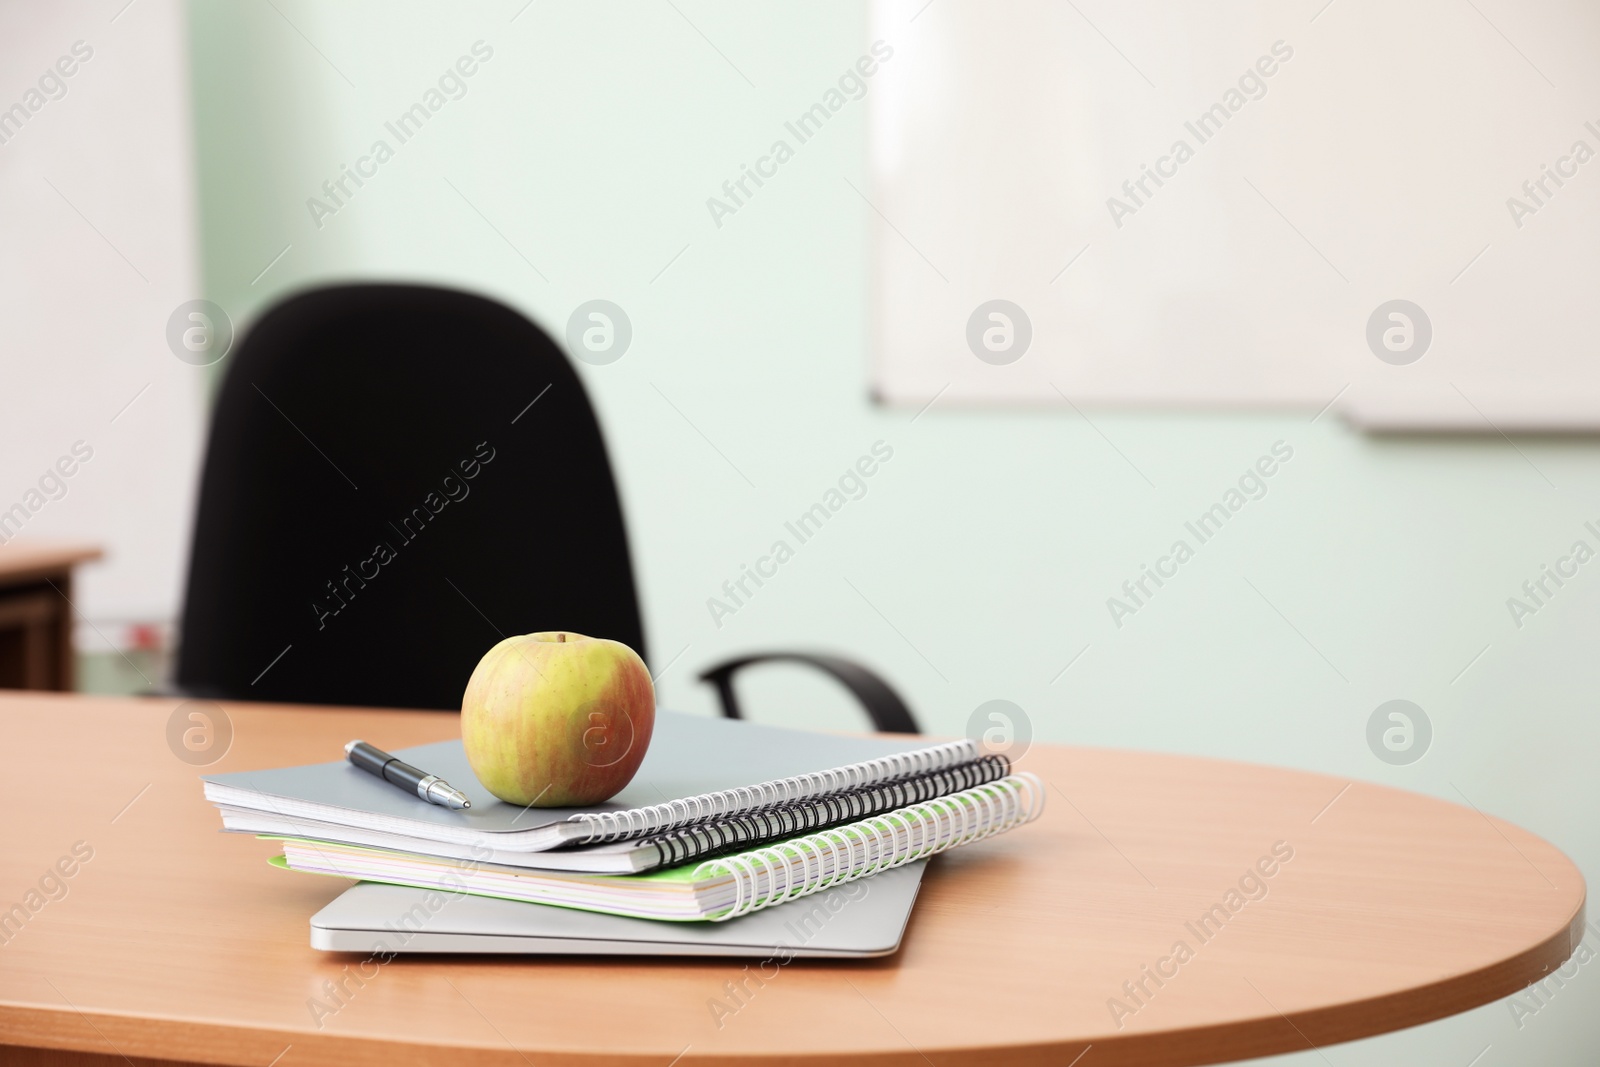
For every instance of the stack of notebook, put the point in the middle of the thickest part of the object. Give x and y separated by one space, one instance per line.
724 819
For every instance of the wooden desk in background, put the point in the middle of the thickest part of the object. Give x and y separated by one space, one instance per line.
36 619
1315 911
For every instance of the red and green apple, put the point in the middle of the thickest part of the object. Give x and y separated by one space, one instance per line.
557 719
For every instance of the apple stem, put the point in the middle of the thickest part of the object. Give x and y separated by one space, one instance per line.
561 637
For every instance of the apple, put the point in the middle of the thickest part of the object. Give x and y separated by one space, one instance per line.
557 720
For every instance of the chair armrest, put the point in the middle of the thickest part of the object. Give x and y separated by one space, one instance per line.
888 712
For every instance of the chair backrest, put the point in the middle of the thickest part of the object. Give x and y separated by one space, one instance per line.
397 477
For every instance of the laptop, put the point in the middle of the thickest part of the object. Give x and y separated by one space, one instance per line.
858 920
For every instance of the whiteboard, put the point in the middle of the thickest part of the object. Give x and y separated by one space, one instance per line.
1224 204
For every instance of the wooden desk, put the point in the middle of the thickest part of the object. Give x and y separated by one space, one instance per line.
177 943
36 619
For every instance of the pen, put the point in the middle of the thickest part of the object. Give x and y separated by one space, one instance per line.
429 787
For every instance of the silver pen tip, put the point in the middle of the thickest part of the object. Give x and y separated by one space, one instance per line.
453 798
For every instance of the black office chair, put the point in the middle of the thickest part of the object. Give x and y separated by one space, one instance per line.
398 477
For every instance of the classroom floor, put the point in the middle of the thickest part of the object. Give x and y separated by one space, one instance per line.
130 673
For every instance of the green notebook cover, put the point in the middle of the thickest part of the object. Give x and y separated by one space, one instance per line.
712 889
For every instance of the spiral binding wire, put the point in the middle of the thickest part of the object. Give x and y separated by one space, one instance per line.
803 816
763 877
640 822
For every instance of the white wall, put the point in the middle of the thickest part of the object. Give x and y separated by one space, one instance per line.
97 213
979 562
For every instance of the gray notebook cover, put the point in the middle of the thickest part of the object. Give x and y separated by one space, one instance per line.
861 919
688 755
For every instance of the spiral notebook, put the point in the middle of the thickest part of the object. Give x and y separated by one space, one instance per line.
703 840
715 890
697 770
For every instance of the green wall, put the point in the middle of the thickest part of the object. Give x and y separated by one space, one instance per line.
978 564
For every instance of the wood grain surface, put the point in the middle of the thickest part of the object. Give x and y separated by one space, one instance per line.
32 561
1310 910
